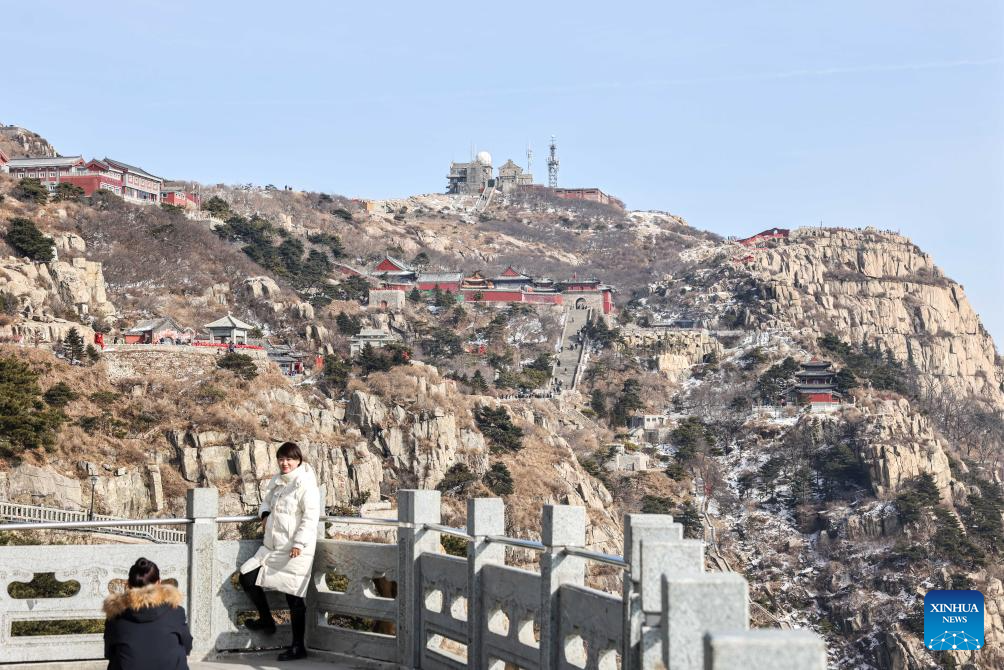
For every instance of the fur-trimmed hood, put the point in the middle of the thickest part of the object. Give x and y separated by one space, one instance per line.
145 597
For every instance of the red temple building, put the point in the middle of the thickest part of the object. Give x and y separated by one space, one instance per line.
179 197
815 383
511 286
444 281
132 183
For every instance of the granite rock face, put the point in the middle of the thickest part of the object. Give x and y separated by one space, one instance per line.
879 287
34 485
901 444
41 290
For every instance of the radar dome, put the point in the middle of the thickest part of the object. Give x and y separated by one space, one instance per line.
484 158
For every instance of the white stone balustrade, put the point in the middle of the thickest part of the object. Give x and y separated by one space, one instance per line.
421 608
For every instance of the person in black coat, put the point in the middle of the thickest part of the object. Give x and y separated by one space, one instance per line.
145 628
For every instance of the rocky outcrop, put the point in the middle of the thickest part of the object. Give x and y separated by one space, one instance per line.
34 485
867 285
81 283
419 446
19 142
241 468
677 351
129 492
267 290
38 290
871 522
69 242
899 444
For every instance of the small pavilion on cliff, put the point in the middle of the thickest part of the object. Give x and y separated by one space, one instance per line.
815 383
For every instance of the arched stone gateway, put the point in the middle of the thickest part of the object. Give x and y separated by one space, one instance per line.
580 303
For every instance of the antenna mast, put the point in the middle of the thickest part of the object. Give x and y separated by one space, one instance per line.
552 165
529 158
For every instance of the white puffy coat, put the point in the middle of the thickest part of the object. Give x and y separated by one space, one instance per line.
294 506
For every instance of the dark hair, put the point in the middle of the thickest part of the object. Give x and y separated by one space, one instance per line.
143 573
289 450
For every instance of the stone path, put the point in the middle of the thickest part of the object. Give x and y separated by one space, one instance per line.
568 359
268 662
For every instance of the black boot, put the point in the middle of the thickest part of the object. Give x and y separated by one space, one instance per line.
264 623
296 652
266 626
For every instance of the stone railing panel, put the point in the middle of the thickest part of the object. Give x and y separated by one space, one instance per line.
444 610
368 573
231 602
510 626
590 629
94 567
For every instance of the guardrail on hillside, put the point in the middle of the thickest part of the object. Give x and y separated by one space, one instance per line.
410 605
36 514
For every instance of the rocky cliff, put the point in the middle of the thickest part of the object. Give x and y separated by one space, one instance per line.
18 142
867 285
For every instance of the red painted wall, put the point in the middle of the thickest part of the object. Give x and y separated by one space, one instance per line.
90 182
451 286
492 296
544 298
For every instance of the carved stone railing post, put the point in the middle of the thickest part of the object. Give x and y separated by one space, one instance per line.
414 507
203 506
642 639
765 650
562 526
485 516
697 605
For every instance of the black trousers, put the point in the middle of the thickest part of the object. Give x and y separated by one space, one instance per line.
297 606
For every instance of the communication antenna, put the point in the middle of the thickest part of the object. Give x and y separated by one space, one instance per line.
529 157
552 165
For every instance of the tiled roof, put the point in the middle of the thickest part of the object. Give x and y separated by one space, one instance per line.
61 161
156 324
229 321
440 276
132 168
404 267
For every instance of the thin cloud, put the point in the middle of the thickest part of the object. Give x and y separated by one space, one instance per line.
810 73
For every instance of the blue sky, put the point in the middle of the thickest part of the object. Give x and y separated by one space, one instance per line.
736 115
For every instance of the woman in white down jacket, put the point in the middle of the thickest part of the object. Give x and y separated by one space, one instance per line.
291 508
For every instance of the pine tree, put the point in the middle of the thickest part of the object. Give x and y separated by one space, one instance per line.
598 403
415 295
74 345
335 375
478 384
498 479
30 189
241 365
24 424
348 325
691 520
28 240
